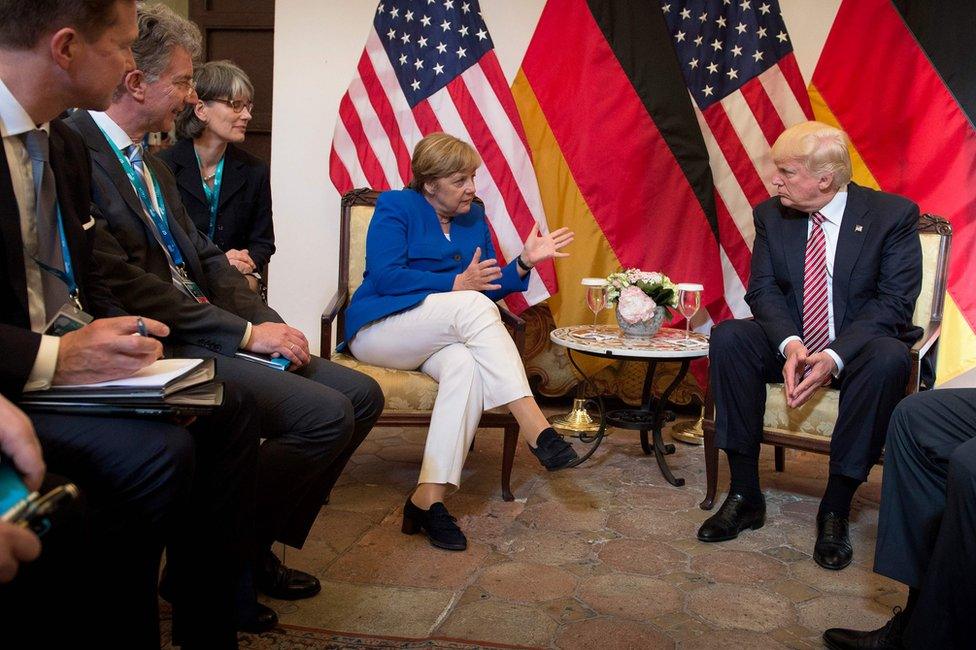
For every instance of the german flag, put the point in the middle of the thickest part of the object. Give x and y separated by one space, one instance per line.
899 78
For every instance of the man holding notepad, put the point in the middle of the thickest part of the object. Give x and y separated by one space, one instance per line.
146 482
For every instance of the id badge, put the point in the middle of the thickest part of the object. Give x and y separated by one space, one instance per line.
192 288
68 319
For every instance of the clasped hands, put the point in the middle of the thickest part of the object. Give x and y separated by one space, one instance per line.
481 274
241 260
799 388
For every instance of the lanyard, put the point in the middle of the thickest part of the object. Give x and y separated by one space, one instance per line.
159 217
213 194
68 274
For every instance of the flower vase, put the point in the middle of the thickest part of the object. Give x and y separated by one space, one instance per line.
643 328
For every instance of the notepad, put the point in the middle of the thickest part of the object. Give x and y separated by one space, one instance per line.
159 379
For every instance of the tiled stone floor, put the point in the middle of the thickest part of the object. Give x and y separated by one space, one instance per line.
603 556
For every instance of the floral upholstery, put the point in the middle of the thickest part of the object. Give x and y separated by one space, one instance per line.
404 390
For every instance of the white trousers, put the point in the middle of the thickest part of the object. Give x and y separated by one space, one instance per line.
459 340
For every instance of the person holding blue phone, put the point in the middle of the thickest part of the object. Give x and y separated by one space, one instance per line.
19 443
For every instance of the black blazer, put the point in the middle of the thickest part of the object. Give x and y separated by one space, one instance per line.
136 268
877 270
244 208
18 344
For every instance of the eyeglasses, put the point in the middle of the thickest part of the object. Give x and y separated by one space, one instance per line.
236 105
189 85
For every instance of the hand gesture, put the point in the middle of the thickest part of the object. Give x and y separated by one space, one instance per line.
479 276
241 260
107 349
798 388
541 247
280 340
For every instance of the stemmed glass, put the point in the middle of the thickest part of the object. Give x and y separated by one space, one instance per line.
689 301
596 295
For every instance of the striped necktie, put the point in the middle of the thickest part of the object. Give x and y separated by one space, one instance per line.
816 328
45 207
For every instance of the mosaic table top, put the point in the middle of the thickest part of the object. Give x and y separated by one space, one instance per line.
609 341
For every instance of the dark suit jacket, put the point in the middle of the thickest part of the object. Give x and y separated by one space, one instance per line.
244 208
18 344
136 268
877 270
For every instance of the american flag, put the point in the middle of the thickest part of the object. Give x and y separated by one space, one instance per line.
429 65
738 63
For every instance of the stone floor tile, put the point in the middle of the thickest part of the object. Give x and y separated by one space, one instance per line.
852 581
737 606
568 610
314 557
387 557
640 556
738 567
499 622
370 609
797 636
664 497
377 500
643 523
843 611
551 515
608 634
728 639
546 547
402 453
795 591
786 554
527 583
339 528
383 472
633 597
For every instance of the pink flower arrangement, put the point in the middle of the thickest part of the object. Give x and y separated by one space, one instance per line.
634 305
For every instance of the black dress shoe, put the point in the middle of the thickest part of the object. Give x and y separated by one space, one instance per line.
258 621
553 451
889 636
278 581
735 515
833 549
437 522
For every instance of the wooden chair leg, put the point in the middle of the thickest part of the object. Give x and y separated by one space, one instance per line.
779 458
711 469
508 460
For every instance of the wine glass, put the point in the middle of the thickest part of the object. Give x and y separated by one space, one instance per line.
596 295
689 301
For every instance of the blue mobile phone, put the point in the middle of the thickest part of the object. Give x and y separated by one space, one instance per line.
12 488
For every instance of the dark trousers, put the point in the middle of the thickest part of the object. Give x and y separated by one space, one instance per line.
312 420
743 361
927 524
149 484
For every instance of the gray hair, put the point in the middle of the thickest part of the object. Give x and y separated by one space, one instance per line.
214 80
160 31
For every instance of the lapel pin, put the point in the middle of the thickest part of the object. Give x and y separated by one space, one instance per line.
858 228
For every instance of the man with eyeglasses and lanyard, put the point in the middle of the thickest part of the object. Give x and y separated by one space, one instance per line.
156 262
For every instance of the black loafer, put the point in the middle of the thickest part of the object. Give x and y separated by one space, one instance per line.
553 451
258 621
833 549
735 515
437 522
889 636
278 581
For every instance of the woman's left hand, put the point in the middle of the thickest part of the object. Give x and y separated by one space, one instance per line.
241 260
541 247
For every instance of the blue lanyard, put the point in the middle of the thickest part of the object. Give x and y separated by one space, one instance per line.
160 217
68 274
213 194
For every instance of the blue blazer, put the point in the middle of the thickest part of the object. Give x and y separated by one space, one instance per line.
408 257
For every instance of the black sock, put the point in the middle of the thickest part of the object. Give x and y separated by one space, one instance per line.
912 599
838 495
745 476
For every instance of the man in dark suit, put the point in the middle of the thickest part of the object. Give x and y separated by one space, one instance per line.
926 524
836 269
137 475
158 264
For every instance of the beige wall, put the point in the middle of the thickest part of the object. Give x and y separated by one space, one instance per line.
179 6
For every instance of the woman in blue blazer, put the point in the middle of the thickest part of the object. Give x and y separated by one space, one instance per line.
428 301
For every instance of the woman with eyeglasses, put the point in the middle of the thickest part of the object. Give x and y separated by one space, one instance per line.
226 191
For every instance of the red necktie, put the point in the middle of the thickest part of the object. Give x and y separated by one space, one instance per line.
816 329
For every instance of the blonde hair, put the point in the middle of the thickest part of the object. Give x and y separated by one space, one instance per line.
439 155
820 147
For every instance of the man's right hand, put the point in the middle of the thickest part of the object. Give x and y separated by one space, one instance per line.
107 349
18 441
17 545
795 366
479 275
279 339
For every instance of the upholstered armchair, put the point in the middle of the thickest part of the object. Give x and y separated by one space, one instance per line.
409 394
809 427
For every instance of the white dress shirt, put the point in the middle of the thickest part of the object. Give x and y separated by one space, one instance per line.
14 122
833 214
